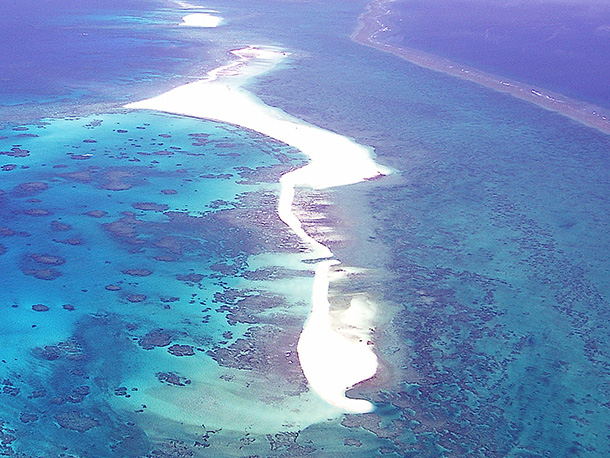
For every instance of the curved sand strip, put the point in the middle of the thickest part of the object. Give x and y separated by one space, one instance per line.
331 361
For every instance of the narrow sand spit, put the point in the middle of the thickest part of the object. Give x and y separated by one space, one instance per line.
331 361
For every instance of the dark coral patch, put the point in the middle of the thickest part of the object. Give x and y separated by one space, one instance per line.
199 139
258 351
32 187
181 350
150 206
70 350
123 228
37 212
76 420
246 306
113 287
225 269
71 241
81 176
6 232
49 352
48 259
43 274
16 152
171 378
230 145
274 273
80 157
118 180
8 167
58 226
40 308
190 278
137 272
28 417
37 394
78 394
169 192
2 249
165 258
170 299
156 338
82 390
10 390
351 442
116 185
96 213
136 298
171 244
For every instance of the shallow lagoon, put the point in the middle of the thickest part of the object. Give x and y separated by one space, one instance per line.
127 243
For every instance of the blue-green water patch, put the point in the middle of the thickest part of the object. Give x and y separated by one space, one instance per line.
124 239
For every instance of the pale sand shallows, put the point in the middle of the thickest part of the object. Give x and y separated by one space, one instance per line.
205 20
331 361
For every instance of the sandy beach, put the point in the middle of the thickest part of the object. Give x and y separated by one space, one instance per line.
332 361
371 29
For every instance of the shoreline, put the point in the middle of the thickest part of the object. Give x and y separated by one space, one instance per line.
371 26
335 160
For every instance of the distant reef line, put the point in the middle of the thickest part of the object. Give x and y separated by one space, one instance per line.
372 26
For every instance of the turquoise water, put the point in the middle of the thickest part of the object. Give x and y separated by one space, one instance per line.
126 240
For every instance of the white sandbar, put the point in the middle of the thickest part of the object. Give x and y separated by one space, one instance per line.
331 361
201 20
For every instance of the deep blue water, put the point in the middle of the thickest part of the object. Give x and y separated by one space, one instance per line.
561 46
488 249
61 54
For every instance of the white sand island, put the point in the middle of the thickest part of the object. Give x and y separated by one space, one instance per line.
205 20
331 360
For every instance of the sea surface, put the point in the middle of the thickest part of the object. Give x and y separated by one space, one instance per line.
152 300
557 45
